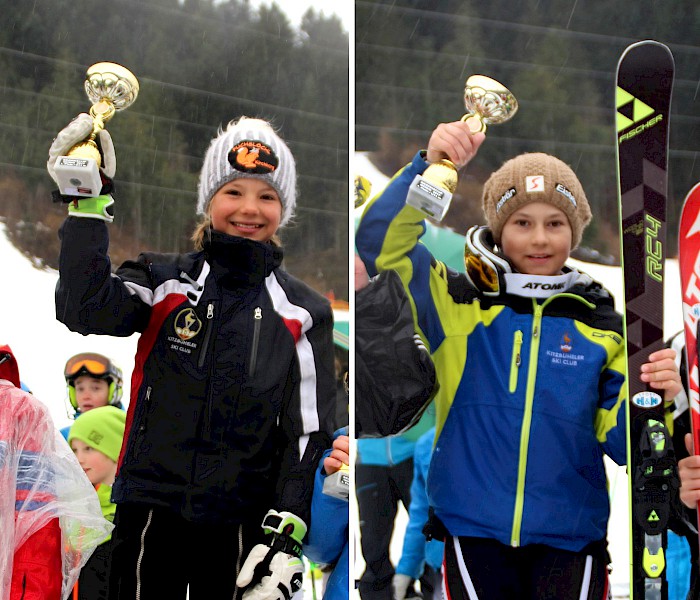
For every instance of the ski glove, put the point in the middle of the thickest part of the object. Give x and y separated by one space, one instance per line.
101 208
274 571
75 132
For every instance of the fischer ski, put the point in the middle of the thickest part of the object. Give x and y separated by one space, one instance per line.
643 95
689 263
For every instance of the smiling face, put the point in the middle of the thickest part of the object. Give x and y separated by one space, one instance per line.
537 239
97 466
246 207
91 393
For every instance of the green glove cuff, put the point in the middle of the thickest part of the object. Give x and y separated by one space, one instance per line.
101 207
286 530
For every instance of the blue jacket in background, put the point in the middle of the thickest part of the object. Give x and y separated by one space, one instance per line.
416 549
394 449
327 541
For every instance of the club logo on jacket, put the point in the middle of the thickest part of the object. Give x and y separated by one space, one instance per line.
565 344
187 324
564 356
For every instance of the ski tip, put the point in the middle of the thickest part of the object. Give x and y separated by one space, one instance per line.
694 190
646 44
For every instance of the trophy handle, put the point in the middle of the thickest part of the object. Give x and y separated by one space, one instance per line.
101 112
475 122
442 173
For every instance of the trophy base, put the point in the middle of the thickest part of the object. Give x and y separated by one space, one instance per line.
338 485
78 177
432 200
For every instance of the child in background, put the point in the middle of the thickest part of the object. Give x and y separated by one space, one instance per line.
328 542
420 559
530 359
233 390
92 380
96 440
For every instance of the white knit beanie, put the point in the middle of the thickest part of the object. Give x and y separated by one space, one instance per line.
249 148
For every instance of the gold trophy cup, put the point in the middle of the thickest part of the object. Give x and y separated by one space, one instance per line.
110 87
489 103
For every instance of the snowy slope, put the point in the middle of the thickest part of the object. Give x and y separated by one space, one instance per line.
42 344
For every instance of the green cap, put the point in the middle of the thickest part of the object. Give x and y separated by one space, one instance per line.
101 428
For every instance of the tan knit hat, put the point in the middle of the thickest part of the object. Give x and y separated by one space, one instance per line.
535 177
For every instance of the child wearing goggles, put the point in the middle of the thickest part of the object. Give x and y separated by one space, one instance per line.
92 380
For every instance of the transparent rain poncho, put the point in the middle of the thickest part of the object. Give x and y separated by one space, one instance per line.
40 479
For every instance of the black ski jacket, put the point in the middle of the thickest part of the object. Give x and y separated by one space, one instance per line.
232 393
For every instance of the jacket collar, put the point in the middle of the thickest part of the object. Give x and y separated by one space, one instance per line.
239 261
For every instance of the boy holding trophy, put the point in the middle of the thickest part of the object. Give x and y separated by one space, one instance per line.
529 354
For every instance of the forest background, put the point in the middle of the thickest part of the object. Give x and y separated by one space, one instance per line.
203 62
200 63
558 57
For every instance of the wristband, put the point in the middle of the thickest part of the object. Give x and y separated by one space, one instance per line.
101 208
287 531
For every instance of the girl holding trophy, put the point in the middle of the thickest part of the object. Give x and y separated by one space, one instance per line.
232 397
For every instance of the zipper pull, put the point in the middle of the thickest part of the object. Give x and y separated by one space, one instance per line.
538 316
210 310
257 313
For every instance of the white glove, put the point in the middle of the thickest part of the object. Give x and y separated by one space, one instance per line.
283 579
399 585
78 130
275 571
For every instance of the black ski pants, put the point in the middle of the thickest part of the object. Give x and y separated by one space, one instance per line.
379 490
484 569
157 554
93 583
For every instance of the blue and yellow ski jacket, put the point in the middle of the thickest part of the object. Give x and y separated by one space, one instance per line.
531 390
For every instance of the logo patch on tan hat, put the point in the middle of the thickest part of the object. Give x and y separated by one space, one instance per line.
561 188
534 183
505 197
252 156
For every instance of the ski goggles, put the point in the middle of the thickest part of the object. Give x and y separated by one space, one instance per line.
88 363
483 266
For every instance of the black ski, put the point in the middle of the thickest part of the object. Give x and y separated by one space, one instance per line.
642 101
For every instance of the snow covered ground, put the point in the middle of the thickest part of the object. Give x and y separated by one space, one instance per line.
42 344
